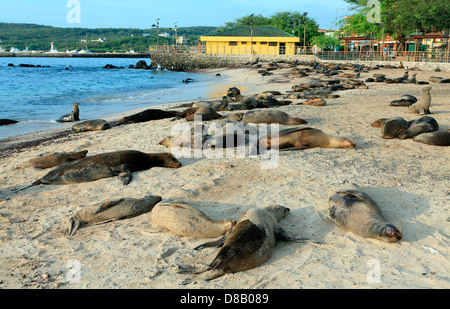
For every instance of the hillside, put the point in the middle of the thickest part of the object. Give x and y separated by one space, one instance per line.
39 37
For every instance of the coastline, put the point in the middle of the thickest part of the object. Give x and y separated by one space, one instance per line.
407 179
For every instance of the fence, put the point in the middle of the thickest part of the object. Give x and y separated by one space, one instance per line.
226 50
435 56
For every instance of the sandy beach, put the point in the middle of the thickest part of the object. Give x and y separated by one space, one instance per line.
408 180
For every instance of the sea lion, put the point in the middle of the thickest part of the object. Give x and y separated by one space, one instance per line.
118 163
146 115
267 116
392 127
206 113
435 79
124 208
52 160
73 116
354 211
438 138
425 124
423 105
249 244
316 102
7 122
405 100
304 138
184 220
91 125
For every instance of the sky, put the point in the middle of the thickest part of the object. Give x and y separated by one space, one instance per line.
143 13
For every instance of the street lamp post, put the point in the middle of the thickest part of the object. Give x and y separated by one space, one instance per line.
337 16
251 34
157 31
304 31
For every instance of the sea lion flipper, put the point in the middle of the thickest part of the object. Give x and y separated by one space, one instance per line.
216 243
281 234
74 224
124 173
106 206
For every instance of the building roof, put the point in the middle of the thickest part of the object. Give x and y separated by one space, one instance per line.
258 31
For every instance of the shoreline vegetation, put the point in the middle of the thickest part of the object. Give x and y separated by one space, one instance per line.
407 179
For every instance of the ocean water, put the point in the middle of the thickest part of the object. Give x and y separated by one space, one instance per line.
37 97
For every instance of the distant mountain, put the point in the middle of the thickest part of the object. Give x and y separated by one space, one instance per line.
39 37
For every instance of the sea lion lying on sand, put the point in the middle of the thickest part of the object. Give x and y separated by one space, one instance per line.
184 220
124 208
147 115
91 125
249 244
438 138
267 116
304 138
52 160
352 210
118 163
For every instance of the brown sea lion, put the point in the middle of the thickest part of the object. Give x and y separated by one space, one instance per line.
206 113
267 116
354 211
423 105
392 127
405 100
118 163
438 138
184 220
124 208
304 138
249 244
147 115
91 125
425 124
73 116
52 160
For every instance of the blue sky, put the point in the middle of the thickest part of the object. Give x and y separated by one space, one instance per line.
143 13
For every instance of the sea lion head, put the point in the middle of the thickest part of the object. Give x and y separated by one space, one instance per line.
280 212
170 161
390 233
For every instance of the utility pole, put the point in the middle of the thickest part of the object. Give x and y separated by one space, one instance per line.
251 34
157 31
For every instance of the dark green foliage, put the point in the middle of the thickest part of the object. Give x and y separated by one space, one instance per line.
39 37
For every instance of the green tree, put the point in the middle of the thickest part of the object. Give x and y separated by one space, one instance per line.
291 22
400 17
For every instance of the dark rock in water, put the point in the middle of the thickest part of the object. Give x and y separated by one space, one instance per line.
187 80
142 65
6 122
23 65
131 66
10 64
111 67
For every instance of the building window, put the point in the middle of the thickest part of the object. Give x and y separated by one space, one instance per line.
233 43
243 43
273 44
263 43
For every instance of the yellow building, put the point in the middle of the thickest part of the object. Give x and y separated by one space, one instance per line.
256 40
